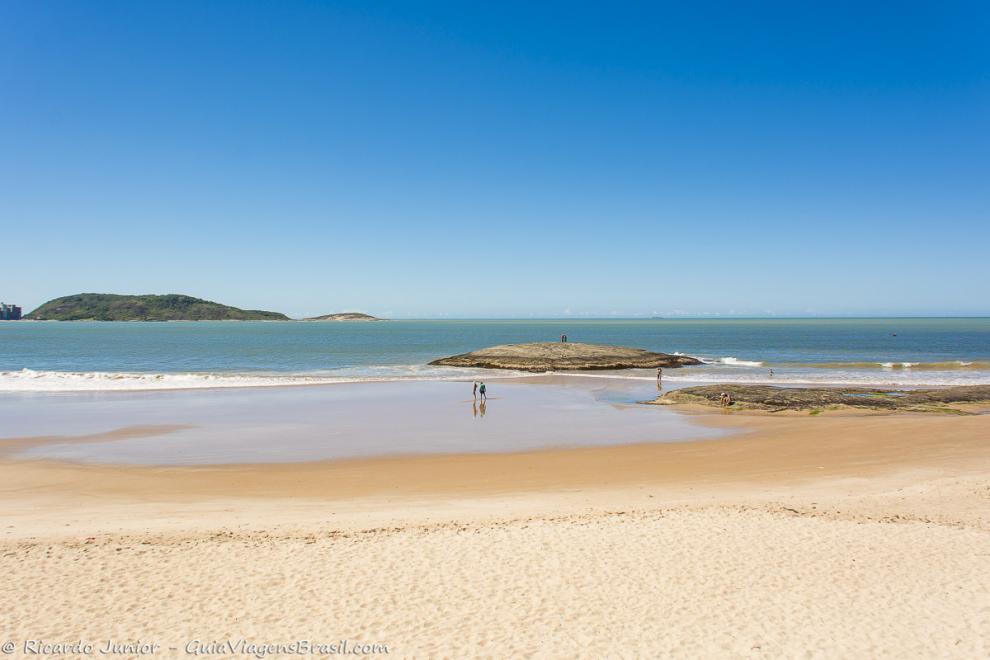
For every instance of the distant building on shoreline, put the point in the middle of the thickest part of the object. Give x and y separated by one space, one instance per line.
9 312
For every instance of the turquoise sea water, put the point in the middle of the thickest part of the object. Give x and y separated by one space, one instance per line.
95 356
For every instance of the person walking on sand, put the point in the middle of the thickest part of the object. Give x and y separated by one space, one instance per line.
659 374
474 392
482 391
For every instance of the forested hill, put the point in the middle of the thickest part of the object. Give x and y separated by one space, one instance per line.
170 307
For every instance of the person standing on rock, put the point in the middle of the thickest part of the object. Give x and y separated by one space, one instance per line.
481 389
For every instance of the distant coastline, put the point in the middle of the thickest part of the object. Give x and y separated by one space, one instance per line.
112 307
108 307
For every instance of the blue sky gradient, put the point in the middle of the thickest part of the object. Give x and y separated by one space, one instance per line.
500 159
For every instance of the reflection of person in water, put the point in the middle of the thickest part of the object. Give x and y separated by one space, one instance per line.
484 407
474 408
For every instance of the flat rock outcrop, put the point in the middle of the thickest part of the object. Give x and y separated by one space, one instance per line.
564 356
345 316
774 399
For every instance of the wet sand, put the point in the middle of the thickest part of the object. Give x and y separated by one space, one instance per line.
762 451
793 536
339 421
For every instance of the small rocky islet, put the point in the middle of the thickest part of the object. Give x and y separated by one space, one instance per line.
344 316
776 399
564 356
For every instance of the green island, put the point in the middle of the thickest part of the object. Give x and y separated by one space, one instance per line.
168 307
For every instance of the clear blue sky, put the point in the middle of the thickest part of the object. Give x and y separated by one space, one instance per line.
500 159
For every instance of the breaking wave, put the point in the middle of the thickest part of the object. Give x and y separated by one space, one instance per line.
955 365
27 380
732 362
714 370
825 378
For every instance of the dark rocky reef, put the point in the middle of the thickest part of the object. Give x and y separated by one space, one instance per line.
774 399
564 356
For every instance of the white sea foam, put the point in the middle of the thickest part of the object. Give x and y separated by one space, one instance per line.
732 362
793 377
722 370
27 380
880 378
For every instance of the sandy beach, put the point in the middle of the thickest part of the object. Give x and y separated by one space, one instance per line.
494 330
842 535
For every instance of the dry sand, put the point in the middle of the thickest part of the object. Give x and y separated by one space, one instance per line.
841 536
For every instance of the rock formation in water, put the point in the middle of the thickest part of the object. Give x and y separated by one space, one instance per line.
564 356
344 316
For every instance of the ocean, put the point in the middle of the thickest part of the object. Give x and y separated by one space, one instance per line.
141 356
